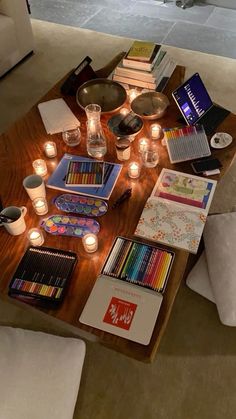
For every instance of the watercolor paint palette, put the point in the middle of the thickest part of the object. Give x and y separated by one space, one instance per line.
70 226
43 275
82 205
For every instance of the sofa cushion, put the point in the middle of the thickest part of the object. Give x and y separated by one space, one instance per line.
198 279
40 374
8 44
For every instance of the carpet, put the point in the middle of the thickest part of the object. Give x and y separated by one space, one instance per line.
193 374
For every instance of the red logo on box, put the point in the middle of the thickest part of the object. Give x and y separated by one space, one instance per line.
120 313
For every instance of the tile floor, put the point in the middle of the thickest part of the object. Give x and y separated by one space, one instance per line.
202 27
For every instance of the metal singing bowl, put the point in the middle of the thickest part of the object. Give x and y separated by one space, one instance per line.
109 94
150 105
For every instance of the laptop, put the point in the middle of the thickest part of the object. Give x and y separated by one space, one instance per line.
196 105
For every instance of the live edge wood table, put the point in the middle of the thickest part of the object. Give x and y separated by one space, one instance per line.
22 144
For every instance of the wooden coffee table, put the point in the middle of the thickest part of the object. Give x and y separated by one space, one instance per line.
22 144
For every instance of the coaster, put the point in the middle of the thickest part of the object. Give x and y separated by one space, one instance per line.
221 140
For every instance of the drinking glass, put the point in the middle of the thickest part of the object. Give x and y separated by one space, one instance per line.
150 156
71 136
93 112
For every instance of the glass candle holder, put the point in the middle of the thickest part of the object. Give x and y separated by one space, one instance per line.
40 206
150 156
35 237
40 167
142 144
124 111
156 131
71 136
90 242
134 170
123 149
50 149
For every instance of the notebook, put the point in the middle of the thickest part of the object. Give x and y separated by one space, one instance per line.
196 105
175 214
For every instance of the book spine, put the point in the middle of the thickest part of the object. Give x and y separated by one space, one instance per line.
133 82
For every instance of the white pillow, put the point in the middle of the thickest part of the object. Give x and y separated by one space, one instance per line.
40 374
198 279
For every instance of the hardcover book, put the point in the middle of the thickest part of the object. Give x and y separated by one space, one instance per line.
141 51
126 297
58 178
141 64
175 214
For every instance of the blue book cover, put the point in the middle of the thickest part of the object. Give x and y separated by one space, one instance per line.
58 178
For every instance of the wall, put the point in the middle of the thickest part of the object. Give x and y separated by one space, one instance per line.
230 4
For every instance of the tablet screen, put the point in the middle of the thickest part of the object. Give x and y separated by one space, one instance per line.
192 99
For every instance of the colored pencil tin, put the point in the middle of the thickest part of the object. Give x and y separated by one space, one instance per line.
42 275
139 263
82 205
67 225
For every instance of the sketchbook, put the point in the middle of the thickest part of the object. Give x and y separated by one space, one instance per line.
175 214
58 178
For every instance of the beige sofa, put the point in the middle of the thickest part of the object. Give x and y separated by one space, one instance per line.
16 37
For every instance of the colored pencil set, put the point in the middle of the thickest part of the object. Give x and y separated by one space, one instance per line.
43 274
186 143
82 173
139 263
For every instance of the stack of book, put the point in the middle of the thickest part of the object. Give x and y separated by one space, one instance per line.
145 65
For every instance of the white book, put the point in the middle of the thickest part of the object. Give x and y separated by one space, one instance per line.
143 75
124 309
134 82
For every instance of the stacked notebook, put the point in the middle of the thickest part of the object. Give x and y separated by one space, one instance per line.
143 66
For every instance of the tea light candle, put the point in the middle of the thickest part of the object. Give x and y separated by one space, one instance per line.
40 206
133 93
134 170
124 111
156 131
35 237
40 167
142 144
50 149
90 242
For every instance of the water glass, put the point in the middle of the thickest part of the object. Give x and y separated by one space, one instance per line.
71 136
93 112
150 156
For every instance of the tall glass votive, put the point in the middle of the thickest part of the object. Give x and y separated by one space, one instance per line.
35 237
123 148
40 206
40 167
142 144
156 131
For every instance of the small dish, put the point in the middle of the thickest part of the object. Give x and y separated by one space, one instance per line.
115 125
150 105
221 140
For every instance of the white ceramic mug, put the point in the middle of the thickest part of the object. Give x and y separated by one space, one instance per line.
18 213
34 186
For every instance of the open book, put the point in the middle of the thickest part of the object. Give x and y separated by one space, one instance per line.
175 214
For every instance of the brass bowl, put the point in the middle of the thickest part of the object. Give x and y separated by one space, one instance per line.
150 105
109 94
